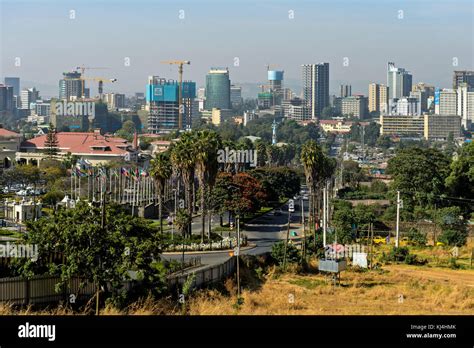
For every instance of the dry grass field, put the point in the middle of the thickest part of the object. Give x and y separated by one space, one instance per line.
434 288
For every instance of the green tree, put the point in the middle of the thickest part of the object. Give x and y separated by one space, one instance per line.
160 171
127 131
453 226
97 251
419 174
317 168
51 143
183 159
460 181
206 146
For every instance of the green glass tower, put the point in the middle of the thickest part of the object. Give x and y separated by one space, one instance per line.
218 89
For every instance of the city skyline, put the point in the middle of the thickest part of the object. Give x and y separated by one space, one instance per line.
255 35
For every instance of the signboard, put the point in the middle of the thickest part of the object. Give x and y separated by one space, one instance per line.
236 251
359 259
291 206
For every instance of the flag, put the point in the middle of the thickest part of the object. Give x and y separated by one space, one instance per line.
124 171
143 173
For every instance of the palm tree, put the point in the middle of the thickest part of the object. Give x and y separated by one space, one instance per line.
161 171
183 160
310 157
317 168
206 145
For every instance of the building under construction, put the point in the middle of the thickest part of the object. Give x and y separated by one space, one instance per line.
162 97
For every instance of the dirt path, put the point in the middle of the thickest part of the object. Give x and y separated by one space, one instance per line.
463 277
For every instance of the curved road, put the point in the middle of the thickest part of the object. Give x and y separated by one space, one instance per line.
263 231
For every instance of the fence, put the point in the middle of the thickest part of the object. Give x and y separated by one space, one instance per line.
204 276
41 289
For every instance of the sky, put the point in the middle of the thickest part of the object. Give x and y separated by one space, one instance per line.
39 40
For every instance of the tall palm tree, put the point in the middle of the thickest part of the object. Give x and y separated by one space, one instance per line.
206 145
160 171
317 168
183 160
310 157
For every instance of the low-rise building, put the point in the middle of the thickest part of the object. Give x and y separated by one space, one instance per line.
9 146
430 127
91 146
22 211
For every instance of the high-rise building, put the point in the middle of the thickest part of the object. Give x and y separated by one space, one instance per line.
71 86
465 104
28 96
374 95
463 76
355 106
218 89
235 95
15 83
422 98
162 99
114 100
406 106
275 82
316 88
445 102
399 81
345 91
378 98
6 98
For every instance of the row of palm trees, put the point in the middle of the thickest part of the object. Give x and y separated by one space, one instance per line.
195 154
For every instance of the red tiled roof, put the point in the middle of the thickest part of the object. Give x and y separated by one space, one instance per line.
78 143
7 133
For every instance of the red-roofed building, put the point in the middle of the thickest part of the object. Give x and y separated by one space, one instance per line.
9 145
91 146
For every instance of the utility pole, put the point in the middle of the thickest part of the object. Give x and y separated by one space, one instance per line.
286 242
303 227
397 240
324 216
238 255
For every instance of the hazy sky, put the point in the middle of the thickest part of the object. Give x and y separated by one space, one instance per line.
431 34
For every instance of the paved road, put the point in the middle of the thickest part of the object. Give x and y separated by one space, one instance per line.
263 232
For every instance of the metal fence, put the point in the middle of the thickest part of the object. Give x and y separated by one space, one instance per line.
204 276
41 289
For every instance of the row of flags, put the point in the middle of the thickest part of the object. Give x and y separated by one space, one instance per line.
135 173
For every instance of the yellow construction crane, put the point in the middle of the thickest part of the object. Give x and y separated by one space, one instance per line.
101 81
83 69
180 64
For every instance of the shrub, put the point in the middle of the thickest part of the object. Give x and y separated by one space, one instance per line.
401 254
454 237
278 253
416 237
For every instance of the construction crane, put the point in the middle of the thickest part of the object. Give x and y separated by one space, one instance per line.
180 64
83 69
101 81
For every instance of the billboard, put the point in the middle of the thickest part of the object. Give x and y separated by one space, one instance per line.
169 92
436 96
